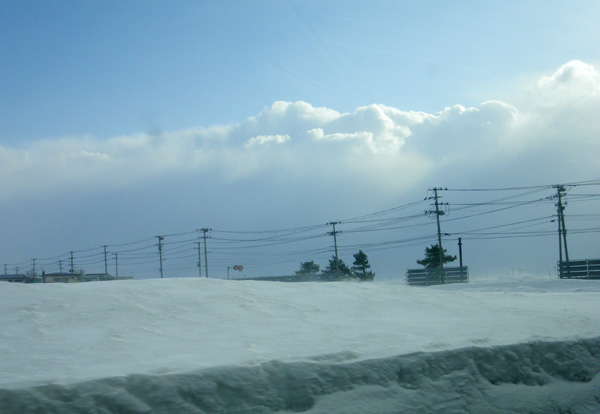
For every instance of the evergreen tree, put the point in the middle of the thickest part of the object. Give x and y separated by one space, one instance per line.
308 268
361 267
432 257
330 272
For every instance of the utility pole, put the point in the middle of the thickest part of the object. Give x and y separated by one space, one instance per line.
105 261
204 231
33 269
460 256
116 265
160 240
72 270
437 216
562 229
334 234
560 249
199 259
438 213
60 265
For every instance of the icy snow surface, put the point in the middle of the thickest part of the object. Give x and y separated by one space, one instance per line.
203 345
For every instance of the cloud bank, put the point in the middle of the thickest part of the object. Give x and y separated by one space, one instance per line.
551 132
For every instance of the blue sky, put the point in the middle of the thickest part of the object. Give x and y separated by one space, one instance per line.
124 120
109 68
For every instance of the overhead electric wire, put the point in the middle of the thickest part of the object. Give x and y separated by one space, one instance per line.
397 208
537 187
506 225
293 229
249 246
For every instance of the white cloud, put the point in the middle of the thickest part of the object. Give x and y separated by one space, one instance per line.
95 155
554 121
560 118
267 139
572 77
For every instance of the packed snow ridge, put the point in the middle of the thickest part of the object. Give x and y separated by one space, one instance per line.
210 346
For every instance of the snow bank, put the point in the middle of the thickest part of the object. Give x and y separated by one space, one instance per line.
542 377
197 345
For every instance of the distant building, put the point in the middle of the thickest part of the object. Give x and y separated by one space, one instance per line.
60 277
16 278
96 277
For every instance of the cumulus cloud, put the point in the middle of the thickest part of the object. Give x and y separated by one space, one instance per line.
555 120
571 77
559 120
267 139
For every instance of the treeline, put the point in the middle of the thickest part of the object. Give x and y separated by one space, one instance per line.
338 270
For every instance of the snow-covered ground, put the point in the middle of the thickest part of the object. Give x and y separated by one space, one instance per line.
208 346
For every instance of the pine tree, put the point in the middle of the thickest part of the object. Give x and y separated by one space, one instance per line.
361 267
308 268
432 257
330 272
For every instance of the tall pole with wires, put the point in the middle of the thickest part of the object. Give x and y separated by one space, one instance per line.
337 261
160 246
204 231
199 259
116 266
105 261
562 229
460 253
439 230
438 213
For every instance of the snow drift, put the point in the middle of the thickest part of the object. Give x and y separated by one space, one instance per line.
208 346
542 377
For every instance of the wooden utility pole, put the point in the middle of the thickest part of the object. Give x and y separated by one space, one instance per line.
199 259
438 213
105 262
116 266
160 240
337 261
204 231
562 229
439 231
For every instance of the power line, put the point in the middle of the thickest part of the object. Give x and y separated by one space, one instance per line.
251 245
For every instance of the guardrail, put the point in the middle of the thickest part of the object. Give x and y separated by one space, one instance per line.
427 277
579 269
